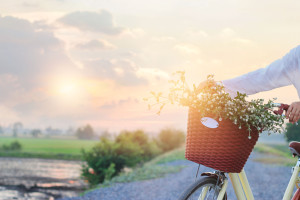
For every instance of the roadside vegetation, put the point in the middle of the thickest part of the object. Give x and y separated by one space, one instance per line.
275 154
155 168
129 149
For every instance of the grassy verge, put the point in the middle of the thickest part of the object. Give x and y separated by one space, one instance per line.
274 154
177 154
155 168
60 156
66 149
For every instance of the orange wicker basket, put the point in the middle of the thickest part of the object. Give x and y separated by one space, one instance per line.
225 148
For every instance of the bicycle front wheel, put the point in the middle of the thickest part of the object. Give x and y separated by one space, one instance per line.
203 189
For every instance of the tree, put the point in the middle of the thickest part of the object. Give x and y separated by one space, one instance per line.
36 132
16 128
169 139
292 133
86 132
1 130
70 131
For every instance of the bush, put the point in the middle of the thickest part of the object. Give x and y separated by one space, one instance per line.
138 140
14 146
102 161
108 157
169 139
292 133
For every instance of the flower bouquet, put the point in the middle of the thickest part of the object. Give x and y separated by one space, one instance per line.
227 144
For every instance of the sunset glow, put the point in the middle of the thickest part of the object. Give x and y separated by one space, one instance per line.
66 63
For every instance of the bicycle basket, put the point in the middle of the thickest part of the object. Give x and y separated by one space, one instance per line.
225 148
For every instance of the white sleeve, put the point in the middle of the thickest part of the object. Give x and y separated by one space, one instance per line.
282 72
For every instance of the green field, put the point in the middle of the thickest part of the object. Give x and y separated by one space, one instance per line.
48 148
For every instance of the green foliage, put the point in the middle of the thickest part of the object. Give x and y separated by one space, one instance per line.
86 132
102 161
138 142
212 100
169 139
14 146
109 157
177 154
292 132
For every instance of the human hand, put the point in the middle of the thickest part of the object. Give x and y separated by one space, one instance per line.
293 113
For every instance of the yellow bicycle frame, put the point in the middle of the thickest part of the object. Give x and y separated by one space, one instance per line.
242 188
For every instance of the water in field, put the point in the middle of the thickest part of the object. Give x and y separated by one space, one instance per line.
37 179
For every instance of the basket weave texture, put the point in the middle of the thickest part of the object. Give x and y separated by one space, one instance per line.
225 148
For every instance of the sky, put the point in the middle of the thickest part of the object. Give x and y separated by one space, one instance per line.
65 63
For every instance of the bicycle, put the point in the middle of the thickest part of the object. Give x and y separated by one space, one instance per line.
213 185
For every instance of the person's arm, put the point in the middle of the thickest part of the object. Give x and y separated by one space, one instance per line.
282 72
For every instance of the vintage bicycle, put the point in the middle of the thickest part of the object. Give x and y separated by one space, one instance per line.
213 185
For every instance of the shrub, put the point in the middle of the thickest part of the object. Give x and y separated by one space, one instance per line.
14 146
147 149
108 157
102 162
292 132
169 139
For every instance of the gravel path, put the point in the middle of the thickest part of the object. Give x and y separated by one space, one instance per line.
267 182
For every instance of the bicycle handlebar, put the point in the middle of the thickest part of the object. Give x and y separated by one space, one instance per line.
281 107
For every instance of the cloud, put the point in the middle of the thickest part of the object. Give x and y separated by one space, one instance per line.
228 33
95 45
30 54
122 71
101 21
196 34
113 104
188 49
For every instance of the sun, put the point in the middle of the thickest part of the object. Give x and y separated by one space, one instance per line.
67 89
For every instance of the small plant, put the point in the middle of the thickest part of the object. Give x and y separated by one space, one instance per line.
14 146
213 101
102 162
106 159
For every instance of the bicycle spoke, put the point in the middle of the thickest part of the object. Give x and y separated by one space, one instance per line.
203 193
207 192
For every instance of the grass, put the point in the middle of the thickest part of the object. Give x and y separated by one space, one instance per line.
177 154
69 149
275 154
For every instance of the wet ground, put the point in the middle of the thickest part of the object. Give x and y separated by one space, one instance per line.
39 179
